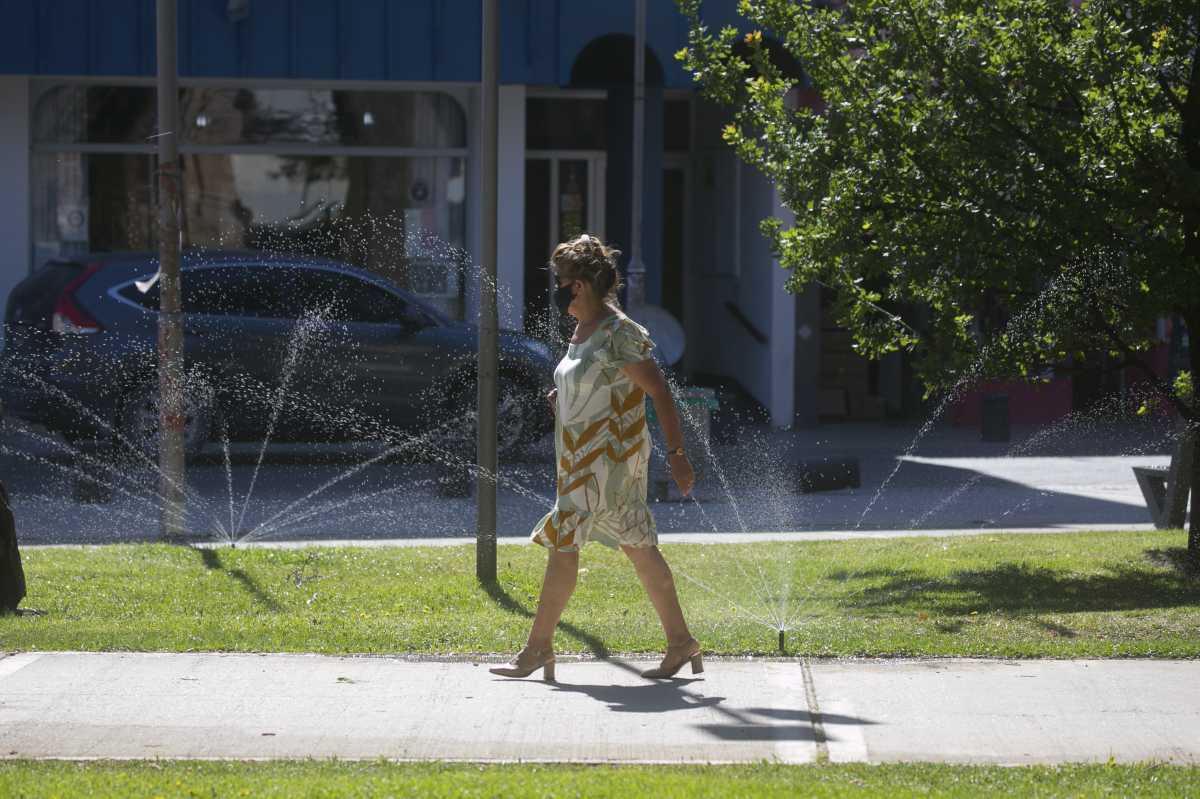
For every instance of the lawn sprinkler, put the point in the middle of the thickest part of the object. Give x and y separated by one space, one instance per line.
782 641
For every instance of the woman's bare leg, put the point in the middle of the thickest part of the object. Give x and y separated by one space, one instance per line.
655 574
562 571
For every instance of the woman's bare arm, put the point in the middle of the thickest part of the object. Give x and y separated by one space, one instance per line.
647 376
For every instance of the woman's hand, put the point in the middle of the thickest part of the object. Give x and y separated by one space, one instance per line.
681 470
552 398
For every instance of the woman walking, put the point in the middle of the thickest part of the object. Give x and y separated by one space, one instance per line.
602 453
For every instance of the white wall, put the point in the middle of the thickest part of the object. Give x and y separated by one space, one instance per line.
510 224
713 336
782 336
758 291
510 213
731 262
474 207
14 182
731 265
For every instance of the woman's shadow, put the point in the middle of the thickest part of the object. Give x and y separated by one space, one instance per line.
664 696
650 697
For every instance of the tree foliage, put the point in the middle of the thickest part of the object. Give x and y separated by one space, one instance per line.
1016 181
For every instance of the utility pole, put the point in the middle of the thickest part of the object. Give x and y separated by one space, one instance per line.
171 418
636 294
485 481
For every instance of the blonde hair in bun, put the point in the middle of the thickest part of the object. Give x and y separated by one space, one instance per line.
587 258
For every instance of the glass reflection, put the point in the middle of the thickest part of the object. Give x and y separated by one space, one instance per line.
399 215
403 218
233 116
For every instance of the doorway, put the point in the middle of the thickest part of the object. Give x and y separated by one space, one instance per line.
564 196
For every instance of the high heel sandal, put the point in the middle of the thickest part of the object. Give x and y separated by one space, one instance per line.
543 660
673 661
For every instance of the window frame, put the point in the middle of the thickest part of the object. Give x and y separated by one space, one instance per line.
464 94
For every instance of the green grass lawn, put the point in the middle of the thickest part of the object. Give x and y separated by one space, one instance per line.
348 779
1087 594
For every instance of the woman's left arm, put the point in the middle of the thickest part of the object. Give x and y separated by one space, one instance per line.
647 376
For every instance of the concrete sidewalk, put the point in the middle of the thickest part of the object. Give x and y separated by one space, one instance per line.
126 705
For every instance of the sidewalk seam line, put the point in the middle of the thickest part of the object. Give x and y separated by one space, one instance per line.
814 713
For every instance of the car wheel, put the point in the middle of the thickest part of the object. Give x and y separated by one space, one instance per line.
512 419
140 421
514 427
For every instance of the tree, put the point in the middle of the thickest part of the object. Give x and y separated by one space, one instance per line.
1024 172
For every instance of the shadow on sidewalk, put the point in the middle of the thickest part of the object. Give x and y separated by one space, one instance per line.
761 724
649 697
743 724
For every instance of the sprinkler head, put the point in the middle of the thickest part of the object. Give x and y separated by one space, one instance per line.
783 642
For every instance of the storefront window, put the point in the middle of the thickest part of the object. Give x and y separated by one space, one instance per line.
95 115
399 217
322 117
126 115
399 214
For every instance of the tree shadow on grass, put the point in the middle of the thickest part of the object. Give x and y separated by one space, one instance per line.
212 560
506 601
1177 558
1022 588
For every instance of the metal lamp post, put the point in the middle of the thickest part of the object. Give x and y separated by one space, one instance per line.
485 494
171 418
636 293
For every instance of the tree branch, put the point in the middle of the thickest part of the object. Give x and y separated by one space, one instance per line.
1169 93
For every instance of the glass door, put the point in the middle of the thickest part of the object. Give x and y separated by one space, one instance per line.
564 196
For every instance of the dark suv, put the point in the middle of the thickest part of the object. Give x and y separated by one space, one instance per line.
304 348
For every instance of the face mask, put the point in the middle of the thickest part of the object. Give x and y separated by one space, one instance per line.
563 297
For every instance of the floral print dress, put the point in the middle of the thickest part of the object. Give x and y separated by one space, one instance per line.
601 444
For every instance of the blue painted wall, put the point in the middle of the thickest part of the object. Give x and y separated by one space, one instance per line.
415 40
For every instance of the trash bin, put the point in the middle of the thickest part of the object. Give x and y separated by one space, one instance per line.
696 406
994 422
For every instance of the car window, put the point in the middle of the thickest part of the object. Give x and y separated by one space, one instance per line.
223 291
356 300
283 292
220 291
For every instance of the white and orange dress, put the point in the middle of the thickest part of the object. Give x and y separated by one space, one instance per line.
601 444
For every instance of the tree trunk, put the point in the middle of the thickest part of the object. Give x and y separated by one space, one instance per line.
1193 429
1190 140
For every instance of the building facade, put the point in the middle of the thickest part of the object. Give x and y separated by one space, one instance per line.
350 128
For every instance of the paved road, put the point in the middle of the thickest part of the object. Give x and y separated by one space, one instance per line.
130 705
1053 477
